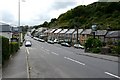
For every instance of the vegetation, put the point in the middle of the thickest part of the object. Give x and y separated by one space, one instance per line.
93 45
7 48
104 14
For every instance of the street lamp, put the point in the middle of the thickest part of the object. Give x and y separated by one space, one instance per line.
19 21
94 28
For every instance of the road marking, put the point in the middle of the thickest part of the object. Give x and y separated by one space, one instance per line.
47 50
74 60
55 53
112 75
27 51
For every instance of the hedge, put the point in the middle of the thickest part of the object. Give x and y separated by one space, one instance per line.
7 48
13 47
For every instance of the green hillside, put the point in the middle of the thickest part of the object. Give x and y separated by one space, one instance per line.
105 15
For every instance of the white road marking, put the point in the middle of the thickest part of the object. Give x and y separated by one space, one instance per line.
55 53
47 50
74 60
27 51
112 75
28 75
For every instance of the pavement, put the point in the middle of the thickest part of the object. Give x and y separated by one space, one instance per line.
102 56
15 67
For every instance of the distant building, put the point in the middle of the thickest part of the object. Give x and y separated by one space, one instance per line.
69 34
75 35
100 34
85 35
112 36
5 30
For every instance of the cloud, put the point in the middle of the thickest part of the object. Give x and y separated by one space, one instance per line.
7 16
63 4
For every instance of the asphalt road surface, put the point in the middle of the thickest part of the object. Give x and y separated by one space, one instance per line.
44 60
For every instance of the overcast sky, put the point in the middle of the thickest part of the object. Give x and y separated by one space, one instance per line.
34 12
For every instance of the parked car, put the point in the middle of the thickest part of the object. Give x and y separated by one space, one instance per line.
56 41
35 38
50 41
28 43
41 40
78 46
65 44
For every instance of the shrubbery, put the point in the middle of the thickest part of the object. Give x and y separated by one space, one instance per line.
93 45
7 48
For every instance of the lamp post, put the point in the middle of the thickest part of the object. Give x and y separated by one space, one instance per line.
19 22
94 28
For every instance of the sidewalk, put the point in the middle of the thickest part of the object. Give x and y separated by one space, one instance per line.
102 56
16 66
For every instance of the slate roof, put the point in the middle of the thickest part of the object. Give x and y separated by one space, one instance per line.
79 31
70 31
52 30
64 31
113 34
47 31
87 31
100 32
58 30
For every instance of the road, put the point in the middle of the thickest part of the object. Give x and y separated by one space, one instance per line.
44 60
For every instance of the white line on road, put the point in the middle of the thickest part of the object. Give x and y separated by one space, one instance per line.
27 50
47 50
112 75
55 53
74 60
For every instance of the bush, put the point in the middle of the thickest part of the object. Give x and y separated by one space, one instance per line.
92 43
5 48
96 50
14 46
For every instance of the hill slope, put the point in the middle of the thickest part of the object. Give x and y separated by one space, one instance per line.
101 13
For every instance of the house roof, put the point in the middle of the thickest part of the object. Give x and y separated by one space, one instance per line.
113 34
87 31
64 31
100 32
5 27
47 31
70 31
58 30
52 30
79 31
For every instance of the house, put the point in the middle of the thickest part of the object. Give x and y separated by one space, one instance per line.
5 30
100 34
40 32
51 34
56 33
62 34
112 36
85 35
74 36
47 32
69 34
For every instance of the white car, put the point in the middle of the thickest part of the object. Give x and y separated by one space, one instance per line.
50 41
35 38
41 40
78 46
28 43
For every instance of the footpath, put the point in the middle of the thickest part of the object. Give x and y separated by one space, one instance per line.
102 56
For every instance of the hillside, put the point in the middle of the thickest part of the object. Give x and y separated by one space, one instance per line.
105 15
